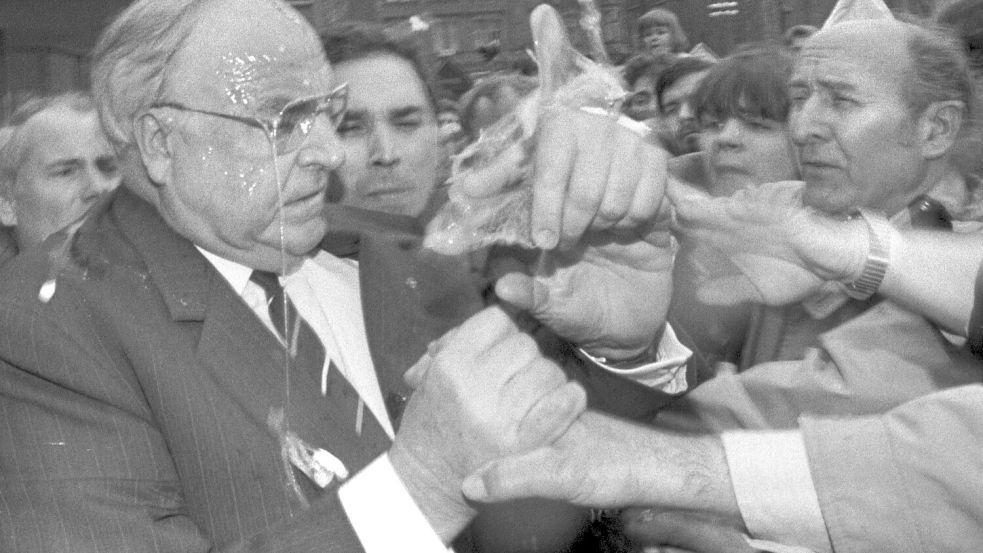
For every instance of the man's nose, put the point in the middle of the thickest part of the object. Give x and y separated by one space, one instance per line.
686 112
731 134
322 147
384 151
99 181
809 122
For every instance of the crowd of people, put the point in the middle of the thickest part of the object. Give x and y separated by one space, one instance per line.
751 320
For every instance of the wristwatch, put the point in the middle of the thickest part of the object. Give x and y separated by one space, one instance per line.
878 256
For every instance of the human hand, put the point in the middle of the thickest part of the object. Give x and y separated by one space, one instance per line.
604 462
761 244
609 294
482 391
592 173
684 531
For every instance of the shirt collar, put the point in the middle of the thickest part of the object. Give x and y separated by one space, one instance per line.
236 274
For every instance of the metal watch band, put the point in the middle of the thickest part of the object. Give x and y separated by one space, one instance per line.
878 257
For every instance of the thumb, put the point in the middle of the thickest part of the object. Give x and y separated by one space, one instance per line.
553 414
516 477
522 291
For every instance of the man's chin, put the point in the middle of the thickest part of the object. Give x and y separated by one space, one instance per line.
829 199
392 204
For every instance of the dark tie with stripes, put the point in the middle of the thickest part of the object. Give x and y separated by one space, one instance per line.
352 422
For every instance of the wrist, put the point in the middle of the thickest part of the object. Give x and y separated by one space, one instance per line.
879 235
438 497
623 358
858 245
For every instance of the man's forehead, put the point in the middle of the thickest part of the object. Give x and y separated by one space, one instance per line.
63 127
383 82
252 79
260 52
874 52
683 87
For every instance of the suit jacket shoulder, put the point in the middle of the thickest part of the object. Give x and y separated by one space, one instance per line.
137 404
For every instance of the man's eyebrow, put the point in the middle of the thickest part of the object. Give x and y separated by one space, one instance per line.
63 162
355 114
273 104
835 85
405 111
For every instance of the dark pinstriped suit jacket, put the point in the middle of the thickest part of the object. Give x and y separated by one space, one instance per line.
134 405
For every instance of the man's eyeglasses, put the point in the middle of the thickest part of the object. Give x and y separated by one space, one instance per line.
289 129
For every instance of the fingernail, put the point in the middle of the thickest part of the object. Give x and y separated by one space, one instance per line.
474 488
545 239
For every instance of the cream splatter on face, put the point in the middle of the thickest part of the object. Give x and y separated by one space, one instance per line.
240 72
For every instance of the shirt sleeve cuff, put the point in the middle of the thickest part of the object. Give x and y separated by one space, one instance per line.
774 488
383 513
667 373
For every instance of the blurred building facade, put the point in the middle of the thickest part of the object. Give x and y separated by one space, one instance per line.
44 44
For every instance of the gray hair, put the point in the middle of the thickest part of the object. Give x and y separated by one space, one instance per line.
940 71
12 146
129 61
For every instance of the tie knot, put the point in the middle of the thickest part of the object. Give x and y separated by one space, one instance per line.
269 282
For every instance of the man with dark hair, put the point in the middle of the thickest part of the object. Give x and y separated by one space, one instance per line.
675 85
390 133
641 74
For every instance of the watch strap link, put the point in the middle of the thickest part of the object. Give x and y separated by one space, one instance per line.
879 232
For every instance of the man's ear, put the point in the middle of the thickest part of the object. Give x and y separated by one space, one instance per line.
939 127
8 215
152 139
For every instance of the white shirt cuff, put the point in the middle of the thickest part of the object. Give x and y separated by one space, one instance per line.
668 374
774 489
383 513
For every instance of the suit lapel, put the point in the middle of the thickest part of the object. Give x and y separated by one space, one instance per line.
409 296
234 347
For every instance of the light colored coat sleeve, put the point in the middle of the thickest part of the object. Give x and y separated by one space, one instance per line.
881 359
905 481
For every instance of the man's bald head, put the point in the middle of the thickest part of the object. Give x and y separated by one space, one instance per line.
928 63
876 106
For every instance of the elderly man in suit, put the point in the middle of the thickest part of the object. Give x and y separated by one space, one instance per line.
188 373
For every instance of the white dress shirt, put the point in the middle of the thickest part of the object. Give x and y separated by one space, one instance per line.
775 492
325 291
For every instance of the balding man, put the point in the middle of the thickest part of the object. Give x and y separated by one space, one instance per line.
193 374
872 442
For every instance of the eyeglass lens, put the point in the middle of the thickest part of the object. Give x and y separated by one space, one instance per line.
296 119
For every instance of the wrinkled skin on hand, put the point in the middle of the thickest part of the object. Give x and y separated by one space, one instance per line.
483 390
605 462
609 294
762 244
683 531
547 172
